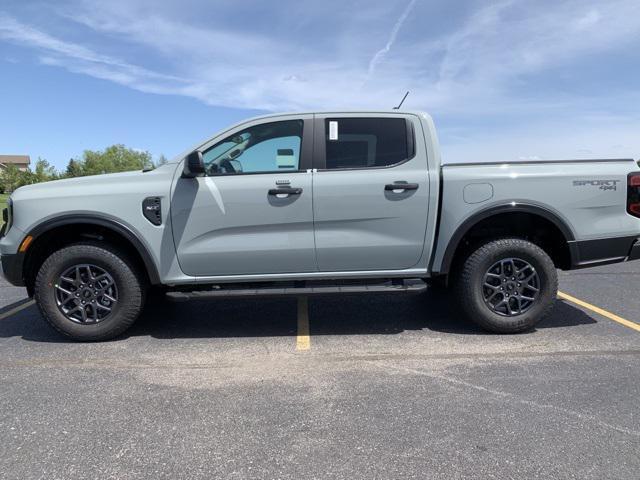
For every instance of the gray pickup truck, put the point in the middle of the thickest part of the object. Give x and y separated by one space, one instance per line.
312 204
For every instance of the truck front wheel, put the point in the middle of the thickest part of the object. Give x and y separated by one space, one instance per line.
507 285
89 292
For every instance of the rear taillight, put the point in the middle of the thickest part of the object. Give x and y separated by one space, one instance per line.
633 194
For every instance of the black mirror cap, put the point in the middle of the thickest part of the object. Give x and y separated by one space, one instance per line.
193 165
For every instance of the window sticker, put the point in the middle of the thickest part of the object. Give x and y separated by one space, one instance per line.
285 158
333 130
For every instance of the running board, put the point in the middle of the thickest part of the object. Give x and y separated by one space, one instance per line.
237 291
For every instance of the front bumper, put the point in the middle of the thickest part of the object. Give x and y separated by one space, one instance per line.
11 258
12 268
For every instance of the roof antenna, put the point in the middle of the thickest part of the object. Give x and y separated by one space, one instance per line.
403 99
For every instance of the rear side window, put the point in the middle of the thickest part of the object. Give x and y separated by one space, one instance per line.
365 142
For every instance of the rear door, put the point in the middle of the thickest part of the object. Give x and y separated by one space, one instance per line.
370 192
252 212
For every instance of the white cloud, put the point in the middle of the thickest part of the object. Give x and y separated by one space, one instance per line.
78 58
505 40
379 56
468 70
589 20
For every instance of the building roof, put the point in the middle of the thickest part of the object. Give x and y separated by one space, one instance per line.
17 159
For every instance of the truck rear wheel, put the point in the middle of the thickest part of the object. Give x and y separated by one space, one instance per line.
507 285
89 292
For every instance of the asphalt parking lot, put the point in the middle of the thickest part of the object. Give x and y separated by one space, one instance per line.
347 387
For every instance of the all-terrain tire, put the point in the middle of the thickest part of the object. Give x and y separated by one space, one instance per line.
471 292
130 291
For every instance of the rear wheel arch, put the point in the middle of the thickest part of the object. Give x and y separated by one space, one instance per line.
530 222
59 232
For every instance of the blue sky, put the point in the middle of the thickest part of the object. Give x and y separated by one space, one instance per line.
504 80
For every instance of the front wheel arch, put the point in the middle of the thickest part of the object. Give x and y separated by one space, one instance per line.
59 232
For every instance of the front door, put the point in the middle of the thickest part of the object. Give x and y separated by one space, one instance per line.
370 193
252 212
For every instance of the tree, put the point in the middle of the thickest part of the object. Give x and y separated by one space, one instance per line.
12 177
74 169
116 158
43 172
161 161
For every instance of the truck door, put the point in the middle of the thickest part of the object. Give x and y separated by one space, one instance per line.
252 211
370 192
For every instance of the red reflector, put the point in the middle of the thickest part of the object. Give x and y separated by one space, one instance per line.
634 180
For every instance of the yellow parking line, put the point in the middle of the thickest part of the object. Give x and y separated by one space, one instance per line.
600 311
303 341
15 310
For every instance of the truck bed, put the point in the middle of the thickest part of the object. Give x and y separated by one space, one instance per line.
585 198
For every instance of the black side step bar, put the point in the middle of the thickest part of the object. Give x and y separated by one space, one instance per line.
219 291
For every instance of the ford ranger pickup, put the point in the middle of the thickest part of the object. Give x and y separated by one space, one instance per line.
315 204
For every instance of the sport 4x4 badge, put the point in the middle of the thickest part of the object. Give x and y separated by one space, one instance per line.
601 184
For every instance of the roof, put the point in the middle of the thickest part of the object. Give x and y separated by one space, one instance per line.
21 159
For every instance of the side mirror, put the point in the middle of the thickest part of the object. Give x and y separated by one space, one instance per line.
193 165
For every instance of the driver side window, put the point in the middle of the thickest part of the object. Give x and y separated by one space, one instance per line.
268 147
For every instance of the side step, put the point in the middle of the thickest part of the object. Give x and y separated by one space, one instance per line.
300 288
